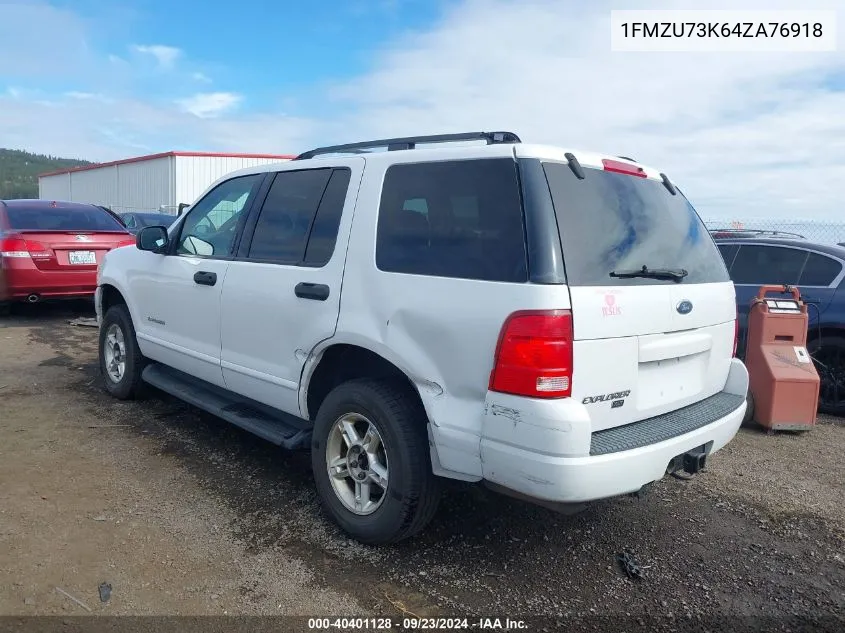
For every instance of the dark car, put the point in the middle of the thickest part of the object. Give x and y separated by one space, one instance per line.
136 221
51 249
818 270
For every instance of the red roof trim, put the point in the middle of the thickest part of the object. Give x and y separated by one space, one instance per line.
139 159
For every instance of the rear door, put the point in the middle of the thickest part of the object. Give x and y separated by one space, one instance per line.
660 343
282 293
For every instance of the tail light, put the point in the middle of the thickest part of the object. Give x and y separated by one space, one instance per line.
18 247
534 355
126 243
736 333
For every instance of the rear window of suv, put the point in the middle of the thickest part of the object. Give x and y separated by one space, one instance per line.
615 222
83 219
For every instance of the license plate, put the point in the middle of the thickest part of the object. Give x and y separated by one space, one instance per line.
82 257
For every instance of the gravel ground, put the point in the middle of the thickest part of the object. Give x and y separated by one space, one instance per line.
184 514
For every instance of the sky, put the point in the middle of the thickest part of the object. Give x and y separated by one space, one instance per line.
745 135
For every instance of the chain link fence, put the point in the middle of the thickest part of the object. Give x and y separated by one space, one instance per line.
813 230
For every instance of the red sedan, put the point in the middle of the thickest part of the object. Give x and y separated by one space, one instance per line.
52 249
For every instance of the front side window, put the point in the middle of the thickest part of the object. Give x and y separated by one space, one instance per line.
211 226
459 219
758 265
819 270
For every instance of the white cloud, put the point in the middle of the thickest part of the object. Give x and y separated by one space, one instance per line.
87 96
206 105
201 77
166 56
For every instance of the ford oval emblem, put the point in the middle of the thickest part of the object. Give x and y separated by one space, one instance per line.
684 307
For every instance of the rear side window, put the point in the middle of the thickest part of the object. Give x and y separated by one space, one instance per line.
819 271
758 265
80 219
728 252
615 222
459 219
323 236
284 223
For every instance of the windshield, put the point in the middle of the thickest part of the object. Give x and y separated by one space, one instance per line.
617 223
78 219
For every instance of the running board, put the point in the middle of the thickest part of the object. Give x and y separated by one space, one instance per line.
279 428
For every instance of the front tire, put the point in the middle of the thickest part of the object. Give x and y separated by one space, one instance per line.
121 361
371 463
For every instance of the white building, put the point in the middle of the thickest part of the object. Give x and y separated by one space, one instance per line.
158 182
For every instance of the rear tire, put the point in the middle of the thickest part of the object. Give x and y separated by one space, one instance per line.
121 361
395 423
828 354
748 418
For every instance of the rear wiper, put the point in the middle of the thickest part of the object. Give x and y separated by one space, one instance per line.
673 274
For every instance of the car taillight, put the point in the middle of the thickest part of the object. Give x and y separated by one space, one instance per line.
736 333
623 168
18 247
126 243
534 355
13 247
37 250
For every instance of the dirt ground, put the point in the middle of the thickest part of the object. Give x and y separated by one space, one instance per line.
185 515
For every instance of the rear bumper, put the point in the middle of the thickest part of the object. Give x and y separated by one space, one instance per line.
538 466
23 278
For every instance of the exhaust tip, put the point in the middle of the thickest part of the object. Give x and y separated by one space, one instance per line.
33 298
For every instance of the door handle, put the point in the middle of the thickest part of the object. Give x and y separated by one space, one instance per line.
317 292
204 278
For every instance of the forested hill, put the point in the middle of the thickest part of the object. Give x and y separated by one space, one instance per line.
19 171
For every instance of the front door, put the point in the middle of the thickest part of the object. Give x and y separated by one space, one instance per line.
178 293
281 296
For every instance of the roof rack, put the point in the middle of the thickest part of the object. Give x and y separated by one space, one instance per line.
410 142
752 233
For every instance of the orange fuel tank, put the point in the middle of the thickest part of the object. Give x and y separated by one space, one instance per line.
782 377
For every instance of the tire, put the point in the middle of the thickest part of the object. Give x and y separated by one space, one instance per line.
828 354
5 309
409 500
129 385
748 418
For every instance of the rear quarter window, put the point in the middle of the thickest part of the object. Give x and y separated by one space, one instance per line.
458 219
612 222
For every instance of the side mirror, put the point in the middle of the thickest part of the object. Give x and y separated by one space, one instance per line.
152 238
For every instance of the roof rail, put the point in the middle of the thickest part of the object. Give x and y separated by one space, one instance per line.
410 142
752 233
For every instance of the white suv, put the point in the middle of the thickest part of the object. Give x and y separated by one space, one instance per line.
557 324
